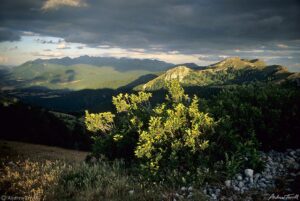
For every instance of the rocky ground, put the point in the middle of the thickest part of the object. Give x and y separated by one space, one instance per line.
279 181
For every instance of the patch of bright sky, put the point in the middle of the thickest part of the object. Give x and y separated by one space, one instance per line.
33 46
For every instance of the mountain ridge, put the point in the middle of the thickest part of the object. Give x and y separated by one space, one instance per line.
121 64
85 72
233 70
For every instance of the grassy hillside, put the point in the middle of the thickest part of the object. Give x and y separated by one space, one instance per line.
38 172
74 77
20 150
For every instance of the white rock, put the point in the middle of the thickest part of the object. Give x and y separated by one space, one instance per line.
249 172
293 174
228 183
131 192
269 176
213 196
251 180
236 188
292 153
183 188
241 184
262 185
239 177
190 188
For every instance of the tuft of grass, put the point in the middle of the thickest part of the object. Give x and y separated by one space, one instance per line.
111 181
53 173
27 179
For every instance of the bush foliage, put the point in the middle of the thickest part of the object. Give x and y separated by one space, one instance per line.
178 136
171 135
269 112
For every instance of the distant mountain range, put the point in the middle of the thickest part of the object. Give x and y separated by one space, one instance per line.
140 74
119 64
84 72
67 86
227 72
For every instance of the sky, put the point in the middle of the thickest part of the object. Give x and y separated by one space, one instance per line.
176 31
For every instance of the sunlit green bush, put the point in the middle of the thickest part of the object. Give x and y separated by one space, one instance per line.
171 135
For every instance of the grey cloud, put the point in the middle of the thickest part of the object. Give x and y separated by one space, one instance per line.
204 27
174 24
9 35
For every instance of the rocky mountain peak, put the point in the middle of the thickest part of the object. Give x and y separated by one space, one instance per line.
237 62
179 72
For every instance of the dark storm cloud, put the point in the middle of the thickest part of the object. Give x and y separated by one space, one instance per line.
187 26
8 35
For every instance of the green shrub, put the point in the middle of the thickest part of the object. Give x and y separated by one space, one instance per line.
176 135
116 135
170 136
271 112
176 139
252 117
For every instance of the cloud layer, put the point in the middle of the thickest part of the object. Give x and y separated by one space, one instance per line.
55 4
188 27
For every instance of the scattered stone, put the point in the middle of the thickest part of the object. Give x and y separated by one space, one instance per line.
236 188
131 192
292 153
213 196
268 176
283 165
251 181
239 177
241 184
263 185
228 183
249 172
